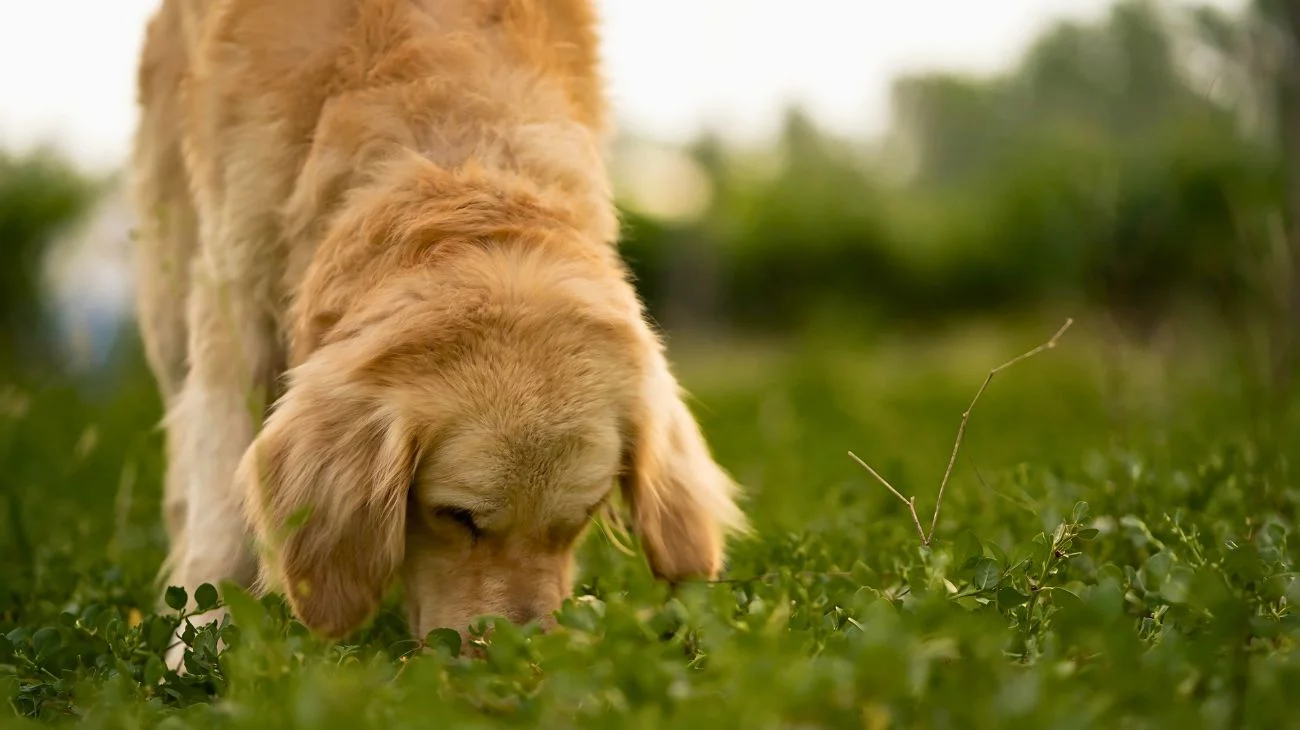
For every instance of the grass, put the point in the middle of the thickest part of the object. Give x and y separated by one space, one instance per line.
1115 550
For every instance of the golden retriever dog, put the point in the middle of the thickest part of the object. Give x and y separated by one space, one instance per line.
380 292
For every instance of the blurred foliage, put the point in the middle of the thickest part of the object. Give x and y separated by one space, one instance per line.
1107 167
39 195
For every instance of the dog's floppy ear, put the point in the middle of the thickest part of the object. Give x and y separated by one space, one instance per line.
325 487
681 501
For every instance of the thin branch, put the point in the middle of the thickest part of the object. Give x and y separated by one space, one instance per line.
965 417
978 475
961 434
911 503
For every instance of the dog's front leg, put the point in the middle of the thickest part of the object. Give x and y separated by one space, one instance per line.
233 346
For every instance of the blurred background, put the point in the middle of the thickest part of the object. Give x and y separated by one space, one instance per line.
851 168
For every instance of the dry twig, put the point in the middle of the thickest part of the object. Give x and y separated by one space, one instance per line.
961 433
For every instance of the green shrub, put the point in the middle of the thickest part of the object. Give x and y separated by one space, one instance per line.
39 195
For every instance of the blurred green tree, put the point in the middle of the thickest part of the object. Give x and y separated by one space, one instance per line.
39 194
1098 166
1255 56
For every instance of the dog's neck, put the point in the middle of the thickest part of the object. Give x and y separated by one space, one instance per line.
545 182
446 136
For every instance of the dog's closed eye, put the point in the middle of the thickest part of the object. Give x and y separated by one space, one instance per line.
462 516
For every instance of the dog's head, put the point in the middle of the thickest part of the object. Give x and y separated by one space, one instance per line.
461 432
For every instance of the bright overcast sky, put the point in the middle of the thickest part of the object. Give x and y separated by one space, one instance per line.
67 66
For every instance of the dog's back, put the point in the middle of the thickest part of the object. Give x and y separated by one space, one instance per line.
212 71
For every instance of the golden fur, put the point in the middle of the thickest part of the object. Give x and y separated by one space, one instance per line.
380 293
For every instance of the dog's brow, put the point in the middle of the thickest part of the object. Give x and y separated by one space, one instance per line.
582 499
446 494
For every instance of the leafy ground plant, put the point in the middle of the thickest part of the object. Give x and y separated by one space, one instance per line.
1115 549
